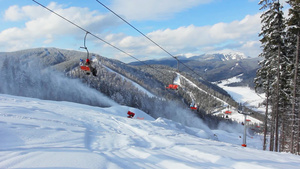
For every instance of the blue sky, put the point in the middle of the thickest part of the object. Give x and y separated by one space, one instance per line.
189 27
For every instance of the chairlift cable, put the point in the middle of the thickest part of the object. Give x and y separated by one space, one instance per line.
148 38
97 37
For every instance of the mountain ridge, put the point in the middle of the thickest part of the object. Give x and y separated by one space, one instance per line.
214 67
220 56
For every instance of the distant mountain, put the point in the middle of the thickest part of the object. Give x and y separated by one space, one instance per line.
220 57
208 57
215 67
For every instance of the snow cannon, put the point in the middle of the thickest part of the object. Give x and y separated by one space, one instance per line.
130 114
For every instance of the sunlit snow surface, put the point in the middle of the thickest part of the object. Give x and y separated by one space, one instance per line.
243 94
48 134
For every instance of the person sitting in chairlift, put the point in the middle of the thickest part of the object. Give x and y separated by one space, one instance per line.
81 62
87 62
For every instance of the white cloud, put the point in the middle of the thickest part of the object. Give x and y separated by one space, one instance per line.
16 13
251 48
14 39
43 25
153 9
13 13
238 35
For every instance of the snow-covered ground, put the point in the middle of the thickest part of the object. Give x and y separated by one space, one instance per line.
244 95
49 134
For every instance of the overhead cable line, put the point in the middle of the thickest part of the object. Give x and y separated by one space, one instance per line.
97 37
148 37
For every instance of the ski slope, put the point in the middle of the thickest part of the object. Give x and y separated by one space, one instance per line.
50 134
243 94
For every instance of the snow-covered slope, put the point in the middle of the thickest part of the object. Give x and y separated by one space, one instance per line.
243 94
48 134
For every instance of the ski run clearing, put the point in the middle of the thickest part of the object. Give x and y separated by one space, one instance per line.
239 94
50 134
243 94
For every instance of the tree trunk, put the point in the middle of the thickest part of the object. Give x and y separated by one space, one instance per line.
282 136
294 98
272 131
266 118
296 70
277 101
284 133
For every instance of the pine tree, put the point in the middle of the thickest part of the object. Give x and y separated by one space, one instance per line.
263 82
273 53
294 30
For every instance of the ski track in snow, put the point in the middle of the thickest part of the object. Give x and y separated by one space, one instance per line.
47 134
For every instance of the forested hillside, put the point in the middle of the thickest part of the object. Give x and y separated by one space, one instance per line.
29 69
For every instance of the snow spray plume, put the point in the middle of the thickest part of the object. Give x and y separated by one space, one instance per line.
231 128
182 115
24 77
174 111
